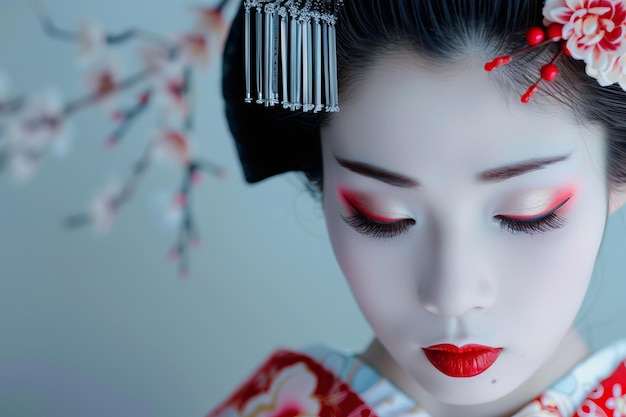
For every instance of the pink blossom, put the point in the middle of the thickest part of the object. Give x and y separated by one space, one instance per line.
153 56
192 49
169 92
168 83
209 20
195 48
38 125
102 68
101 78
92 41
39 121
168 215
595 30
171 145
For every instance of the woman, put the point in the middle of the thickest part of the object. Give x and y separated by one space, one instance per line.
466 223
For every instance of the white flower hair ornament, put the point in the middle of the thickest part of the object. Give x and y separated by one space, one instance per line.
593 31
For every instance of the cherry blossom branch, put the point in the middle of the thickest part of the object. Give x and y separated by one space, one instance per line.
38 121
127 118
188 234
83 102
186 90
106 90
113 201
58 33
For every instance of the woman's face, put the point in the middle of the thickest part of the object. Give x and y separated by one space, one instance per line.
466 224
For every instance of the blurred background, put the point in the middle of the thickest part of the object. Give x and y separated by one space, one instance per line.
102 325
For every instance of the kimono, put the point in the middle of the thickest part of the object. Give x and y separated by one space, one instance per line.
320 381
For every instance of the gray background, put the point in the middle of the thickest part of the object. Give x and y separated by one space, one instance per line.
102 326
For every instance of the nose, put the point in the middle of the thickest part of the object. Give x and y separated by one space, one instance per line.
458 282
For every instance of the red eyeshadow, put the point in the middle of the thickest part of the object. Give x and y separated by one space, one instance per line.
562 197
353 201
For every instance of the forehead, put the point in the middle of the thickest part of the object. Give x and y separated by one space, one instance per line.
410 117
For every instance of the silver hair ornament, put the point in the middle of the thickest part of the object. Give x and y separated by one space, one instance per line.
290 53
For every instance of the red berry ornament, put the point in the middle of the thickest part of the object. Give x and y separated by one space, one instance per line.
555 32
549 72
535 35
501 60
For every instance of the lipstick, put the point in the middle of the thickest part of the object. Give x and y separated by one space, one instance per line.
461 362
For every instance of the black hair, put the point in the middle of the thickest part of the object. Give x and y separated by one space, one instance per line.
272 140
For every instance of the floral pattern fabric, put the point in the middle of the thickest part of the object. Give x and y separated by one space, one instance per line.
328 383
292 384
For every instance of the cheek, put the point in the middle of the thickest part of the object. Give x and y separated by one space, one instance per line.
561 259
378 272
544 280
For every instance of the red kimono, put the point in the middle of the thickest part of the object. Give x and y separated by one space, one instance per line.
328 383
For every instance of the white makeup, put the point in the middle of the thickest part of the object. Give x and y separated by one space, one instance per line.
462 266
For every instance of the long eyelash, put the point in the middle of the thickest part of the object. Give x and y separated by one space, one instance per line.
377 230
549 222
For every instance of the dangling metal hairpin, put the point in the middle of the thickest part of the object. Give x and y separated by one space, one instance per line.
294 60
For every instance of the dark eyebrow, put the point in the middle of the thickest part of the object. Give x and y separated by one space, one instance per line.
380 174
506 172
490 176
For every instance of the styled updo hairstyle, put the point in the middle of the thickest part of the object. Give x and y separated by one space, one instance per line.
271 140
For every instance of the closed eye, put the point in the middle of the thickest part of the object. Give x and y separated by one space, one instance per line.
540 224
375 229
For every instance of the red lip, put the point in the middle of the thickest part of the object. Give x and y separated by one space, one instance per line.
461 362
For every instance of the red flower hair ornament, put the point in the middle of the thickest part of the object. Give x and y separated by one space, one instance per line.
593 31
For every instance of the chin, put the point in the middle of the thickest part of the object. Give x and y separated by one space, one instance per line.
491 385
471 395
